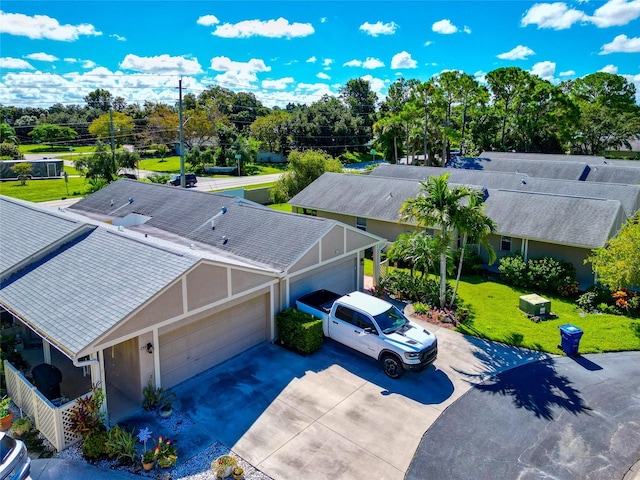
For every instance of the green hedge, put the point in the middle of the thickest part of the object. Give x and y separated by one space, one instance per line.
299 331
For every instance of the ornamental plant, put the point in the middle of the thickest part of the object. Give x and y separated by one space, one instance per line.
165 453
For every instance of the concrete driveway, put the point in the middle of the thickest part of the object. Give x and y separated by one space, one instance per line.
334 414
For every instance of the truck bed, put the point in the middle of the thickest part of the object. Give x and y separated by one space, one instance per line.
320 300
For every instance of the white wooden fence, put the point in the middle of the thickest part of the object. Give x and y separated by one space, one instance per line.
51 421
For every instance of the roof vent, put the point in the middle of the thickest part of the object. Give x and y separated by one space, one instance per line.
523 182
222 211
224 240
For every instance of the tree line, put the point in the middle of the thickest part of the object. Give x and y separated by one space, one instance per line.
512 110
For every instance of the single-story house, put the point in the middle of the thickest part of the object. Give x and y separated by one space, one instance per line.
537 224
141 281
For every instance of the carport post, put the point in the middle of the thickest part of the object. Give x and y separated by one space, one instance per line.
376 264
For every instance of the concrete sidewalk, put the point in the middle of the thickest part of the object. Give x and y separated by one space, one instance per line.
58 469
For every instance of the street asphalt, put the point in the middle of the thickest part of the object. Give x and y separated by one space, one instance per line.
559 418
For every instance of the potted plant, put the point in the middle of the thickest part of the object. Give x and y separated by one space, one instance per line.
237 473
165 453
21 426
166 404
6 415
224 465
148 459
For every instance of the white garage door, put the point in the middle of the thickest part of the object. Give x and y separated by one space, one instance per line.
197 346
339 277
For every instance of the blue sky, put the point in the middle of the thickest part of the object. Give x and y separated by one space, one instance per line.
54 51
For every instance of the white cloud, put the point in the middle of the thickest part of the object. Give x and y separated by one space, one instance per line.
427 43
467 30
323 76
480 76
567 73
518 53
43 27
616 13
403 60
161 64
312 59
379 28
323 19
545 70
609 69
43 57
371 63
444 26
279 84
327 61
377 84
237 74
264 28
88 64
118 37
15 64
552 15
71 60
621 43
635 79
208 20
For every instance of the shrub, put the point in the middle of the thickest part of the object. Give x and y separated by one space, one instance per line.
402 285
86 417
158 178
472 264
10 151
299 331
94 446
121 445
421 308
513 270
587 302
549 274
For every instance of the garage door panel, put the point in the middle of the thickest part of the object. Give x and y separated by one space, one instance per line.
200 345
339 277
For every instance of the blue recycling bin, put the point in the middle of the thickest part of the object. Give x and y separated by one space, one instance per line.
570 338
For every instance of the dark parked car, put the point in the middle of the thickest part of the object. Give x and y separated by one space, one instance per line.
16 464
189 179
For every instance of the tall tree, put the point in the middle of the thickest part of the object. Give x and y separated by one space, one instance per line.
438 206
506 84
99 99
609 115
359 97
116 124
52 134
272 131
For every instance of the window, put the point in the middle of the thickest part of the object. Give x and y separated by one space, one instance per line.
505 244
346 315
361 223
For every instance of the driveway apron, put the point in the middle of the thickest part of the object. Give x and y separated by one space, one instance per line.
333 414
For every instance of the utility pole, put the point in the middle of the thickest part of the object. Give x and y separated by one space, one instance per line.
113 141
182 173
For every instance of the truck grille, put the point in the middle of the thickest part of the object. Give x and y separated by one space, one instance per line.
430 354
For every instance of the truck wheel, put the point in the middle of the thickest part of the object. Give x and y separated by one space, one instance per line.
392 366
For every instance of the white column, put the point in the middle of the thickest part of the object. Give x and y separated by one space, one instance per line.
376 264
46 351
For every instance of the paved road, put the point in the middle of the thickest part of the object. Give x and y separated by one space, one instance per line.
558 418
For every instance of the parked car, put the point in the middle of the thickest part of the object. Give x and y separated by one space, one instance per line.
16 464
374 327
189 179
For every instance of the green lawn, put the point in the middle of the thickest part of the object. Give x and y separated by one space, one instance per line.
43 148
495 315
283 207
44 190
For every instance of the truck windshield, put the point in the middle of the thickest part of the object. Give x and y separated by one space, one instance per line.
391 320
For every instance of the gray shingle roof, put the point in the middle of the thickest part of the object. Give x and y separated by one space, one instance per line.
532 168
262 235
614 174
25 231
588 159
627 195
87 287
551 218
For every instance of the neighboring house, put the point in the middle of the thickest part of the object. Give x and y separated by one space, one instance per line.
537 224
627 195
135 280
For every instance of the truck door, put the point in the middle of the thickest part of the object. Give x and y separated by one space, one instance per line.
348 327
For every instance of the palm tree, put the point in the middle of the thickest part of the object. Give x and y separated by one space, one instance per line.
7 134
437 205
474 225
415 248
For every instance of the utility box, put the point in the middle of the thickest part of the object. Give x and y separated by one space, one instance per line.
535 305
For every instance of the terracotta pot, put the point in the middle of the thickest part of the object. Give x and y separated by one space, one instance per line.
147 466
5 422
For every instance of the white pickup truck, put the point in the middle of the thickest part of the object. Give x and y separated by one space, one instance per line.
374 327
